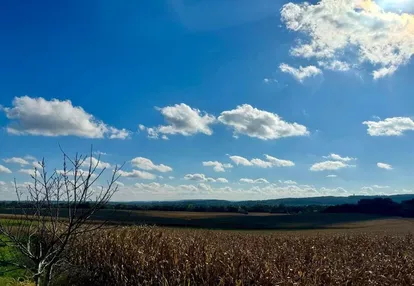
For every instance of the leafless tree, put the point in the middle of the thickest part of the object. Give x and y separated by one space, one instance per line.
54 210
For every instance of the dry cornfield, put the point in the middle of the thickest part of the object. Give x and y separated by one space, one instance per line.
159 256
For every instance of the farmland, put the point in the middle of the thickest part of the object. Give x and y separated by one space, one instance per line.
376 252
317 249
228 221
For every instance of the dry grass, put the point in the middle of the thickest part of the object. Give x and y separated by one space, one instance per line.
159 256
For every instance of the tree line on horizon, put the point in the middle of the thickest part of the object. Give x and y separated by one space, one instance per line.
377 206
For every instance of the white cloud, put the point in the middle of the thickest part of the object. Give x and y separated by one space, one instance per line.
16 160
383 72
271 162
260 163
279 162
171 177
217 166
357 31
2 183
329 165
337 157
95 162
222 180
30 172
38 116
384 166
203 178
301 73
250 121
120 184
238 160
237 192
334 65
373 188
288 182
269 80
148 165
367 189
251 181
79 173
30 158
118 133
331 176
99 153
394 126
37 165
5 170
137 174
380 187
181 119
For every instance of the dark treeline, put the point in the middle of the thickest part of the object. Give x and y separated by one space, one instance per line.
196 207
234 208
380 206
377 206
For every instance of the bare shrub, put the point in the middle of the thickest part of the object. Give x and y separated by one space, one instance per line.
52 213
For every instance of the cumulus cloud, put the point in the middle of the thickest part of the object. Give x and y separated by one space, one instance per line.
37 165
279 162
250 121
334 65
288 182
352 31
337 157
120 184
3 169
181 119
203 178
242 191
395 126
384 166
217 166
256 181
30 158
301 73
79 173
373 188
94 162
152 132
16 160
38 116
271 162
137 174
30 172
238 160
118 133
329 166
260 163
380 187
148 165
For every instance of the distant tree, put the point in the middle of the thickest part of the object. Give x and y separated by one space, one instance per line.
243 210
53 211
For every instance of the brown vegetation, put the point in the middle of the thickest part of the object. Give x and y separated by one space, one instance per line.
159 256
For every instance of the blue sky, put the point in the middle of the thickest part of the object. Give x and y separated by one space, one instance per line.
226 82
